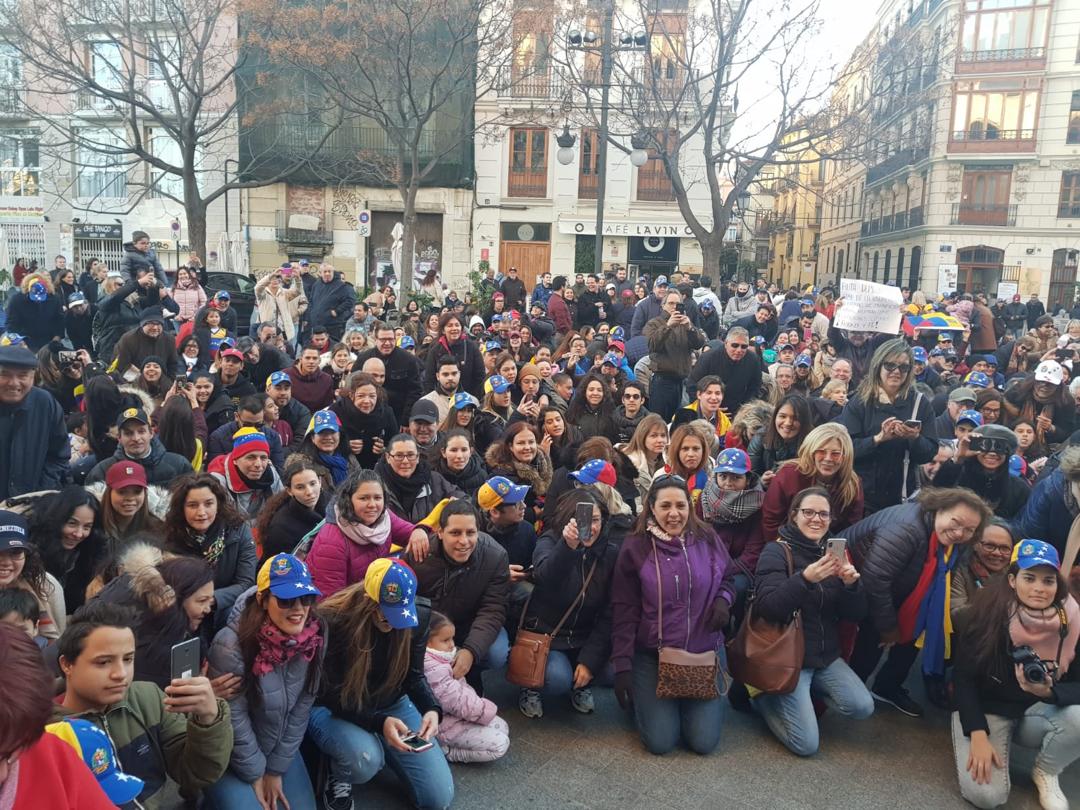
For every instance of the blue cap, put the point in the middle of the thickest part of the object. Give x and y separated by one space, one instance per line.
732 460
1017 466
75 299
976 379
286 577
95 749
1032 553
943 336
707 305
806 302
661 281
222 295
919 354
990 360
596 471
12 339
611 359
618 333
970 416
392 584
497 384
492 346
304 262
325 420
279 378
496 318
37 292
936 352
758 340
498 491
463 399
406 342
804 360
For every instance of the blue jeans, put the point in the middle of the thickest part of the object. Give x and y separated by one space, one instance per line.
665 395
357 755
662 722
791 717
498 652
232 793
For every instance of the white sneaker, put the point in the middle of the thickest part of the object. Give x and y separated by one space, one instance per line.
1050 795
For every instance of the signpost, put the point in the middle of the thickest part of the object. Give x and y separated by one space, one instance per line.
363 223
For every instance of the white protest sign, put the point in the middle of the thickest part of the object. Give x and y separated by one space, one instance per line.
1007 289
869 307
947 278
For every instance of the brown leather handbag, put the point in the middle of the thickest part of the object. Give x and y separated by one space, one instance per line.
529 655
766 656
681 674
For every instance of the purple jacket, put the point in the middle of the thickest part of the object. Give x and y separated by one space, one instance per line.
694 575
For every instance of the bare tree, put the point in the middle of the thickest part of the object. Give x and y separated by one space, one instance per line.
148 89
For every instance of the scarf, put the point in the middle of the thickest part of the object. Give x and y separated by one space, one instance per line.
653 528
277 648
729 508
1041 631
374 535
10 787
924 615
337 465
404 489
211 544
537 473
263 483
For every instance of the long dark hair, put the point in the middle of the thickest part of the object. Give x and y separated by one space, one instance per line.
184 575
801 406
103 403
178 537
297 464
47 522
694 525
176 427
579 405
252 618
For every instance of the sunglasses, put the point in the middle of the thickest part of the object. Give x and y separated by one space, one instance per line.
985 444
739 345
303 601
666 480
903 368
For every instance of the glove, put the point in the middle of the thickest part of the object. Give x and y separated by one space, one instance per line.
623 690
721 614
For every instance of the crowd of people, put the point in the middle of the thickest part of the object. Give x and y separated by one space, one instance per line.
356 512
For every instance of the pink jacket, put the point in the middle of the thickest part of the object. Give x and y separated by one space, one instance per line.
458 699
337 562
190 300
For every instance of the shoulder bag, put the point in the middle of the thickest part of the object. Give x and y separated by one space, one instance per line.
766 656
528 657
907 451
681 674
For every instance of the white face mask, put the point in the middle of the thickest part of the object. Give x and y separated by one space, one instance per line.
443 654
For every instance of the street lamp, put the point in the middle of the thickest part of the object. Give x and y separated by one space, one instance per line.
566 142
639 155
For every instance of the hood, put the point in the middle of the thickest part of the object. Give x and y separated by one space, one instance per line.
233 622
475 320
148 586
145 401
35 277
157 498
129 247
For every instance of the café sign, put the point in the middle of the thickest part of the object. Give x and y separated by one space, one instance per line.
626 228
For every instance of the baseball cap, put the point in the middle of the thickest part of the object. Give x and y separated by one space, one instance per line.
424 411
806 302
75 299
661 281
538 305
13 531
936 352
126 415
1017 466
804 360
976 379
249 440
37 292
497 384
392 584
595 471
990 360
231 352
497 295
125 474
961 395
492 346
406 342
615 343
970 416
919 354
278 378
944 337
787 347
496 318
304 263
707 305
618 333
463 399
325 420
16 355
95 748
732 460
999 432
286 577
610 359
1049 371
151 315
498 491
609 286
222 295
1031 553
758 340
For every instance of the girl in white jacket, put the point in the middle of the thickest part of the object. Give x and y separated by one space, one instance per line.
470 730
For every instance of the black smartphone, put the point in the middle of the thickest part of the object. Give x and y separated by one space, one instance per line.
913 423
416 743
680 308
528 399
583 514
65 357
185 659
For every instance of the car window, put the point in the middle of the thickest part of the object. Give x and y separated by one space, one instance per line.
231 282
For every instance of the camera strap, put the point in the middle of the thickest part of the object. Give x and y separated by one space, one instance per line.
1063 631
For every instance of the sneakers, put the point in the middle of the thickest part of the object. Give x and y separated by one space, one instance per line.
901 701
337 794
582 700
1050 795
530 703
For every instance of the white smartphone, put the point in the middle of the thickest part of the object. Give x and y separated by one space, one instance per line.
837 547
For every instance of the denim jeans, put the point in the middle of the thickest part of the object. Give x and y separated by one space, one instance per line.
791 717
232 793
357 755
662 722
1053 730
665 395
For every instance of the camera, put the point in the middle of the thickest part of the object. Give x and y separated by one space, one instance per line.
1035 671
987 444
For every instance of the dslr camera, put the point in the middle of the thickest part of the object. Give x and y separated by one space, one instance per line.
987 444
1035 670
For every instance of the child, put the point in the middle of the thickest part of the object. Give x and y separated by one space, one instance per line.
19 607
470 730
77 435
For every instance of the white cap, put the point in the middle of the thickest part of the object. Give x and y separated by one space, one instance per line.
1049 371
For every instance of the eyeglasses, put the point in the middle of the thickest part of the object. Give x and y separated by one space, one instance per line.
738 345
813 514
404 456
890 367
288 604
993 548
631 396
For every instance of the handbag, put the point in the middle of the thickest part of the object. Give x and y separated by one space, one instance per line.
528 657
766 656
681 674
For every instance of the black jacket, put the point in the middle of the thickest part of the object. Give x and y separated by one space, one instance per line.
80 329
379 424
426 499
290 523
742 380
468 480
35 450
519 540
234 570
558 575
162 466
889 549
335 297
37 322
135 261
472 594
469 361
298 417
778 594
115 316
514 290
1004 493
403 373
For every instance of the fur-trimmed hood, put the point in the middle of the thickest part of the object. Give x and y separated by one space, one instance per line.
147 402
139 562
30 278
157 498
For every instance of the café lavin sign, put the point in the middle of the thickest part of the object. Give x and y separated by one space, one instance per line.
626 228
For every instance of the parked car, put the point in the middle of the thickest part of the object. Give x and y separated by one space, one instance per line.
241 290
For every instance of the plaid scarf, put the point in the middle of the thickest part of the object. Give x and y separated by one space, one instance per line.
728 508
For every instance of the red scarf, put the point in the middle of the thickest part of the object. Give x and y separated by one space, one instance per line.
908 615
276 648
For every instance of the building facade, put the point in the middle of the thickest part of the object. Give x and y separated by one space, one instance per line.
795 227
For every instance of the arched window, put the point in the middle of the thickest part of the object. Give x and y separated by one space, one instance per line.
900 268
873 274
888 266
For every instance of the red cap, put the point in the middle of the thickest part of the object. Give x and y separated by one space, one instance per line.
125 474
230 352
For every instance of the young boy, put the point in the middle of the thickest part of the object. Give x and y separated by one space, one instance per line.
18 607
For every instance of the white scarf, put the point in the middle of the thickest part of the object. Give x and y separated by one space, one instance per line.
362 535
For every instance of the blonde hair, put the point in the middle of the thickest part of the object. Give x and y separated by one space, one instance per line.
847 481
870 389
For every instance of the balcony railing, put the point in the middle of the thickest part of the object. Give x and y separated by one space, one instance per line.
990 215
994 135
1003 55
534 83
87 101
527 184
289 229
588 186
667 84
12 101
899 221
905 157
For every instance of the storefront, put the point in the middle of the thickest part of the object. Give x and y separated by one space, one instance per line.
104 242
643 247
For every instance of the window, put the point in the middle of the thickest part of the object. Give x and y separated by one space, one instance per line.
667 49
1069 199
20 172
101 174
653 181
1002 30
11 74
107 65
528 162
530 69
166 184
589 166
163 57
1073 134
995 109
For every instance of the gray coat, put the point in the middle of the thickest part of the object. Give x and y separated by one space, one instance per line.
266 738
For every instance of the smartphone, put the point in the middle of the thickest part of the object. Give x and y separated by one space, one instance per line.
528 399
186 659
680 308
583 516
913 423
67 357
837 547
416 743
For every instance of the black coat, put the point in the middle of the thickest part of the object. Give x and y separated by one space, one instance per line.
115 316
403 375
37 322
468 480
162 466
417 508
1004 493
135 261
379 424
37 448
468 359
298 417
778 594
290 523
742 380
558 575
331 305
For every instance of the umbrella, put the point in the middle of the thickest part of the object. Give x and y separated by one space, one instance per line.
935 322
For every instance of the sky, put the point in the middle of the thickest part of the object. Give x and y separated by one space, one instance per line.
846 24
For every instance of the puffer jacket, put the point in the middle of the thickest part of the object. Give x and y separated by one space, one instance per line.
1049 512
190 300
765 459
135 260
889 549
696 573
1005 494
266 738
558 575
738 307
459 701
778 594
38 322
473 594
162 467
336 561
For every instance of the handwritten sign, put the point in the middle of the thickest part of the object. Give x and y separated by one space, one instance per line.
869 307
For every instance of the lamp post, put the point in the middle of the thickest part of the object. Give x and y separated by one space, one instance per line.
588 42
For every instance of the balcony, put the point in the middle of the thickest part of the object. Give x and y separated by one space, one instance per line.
87 101
899 221
998 216
532 84
987 141
1000 60
887 167
670 84
588 186
12 102
527 184
653 184
295 228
